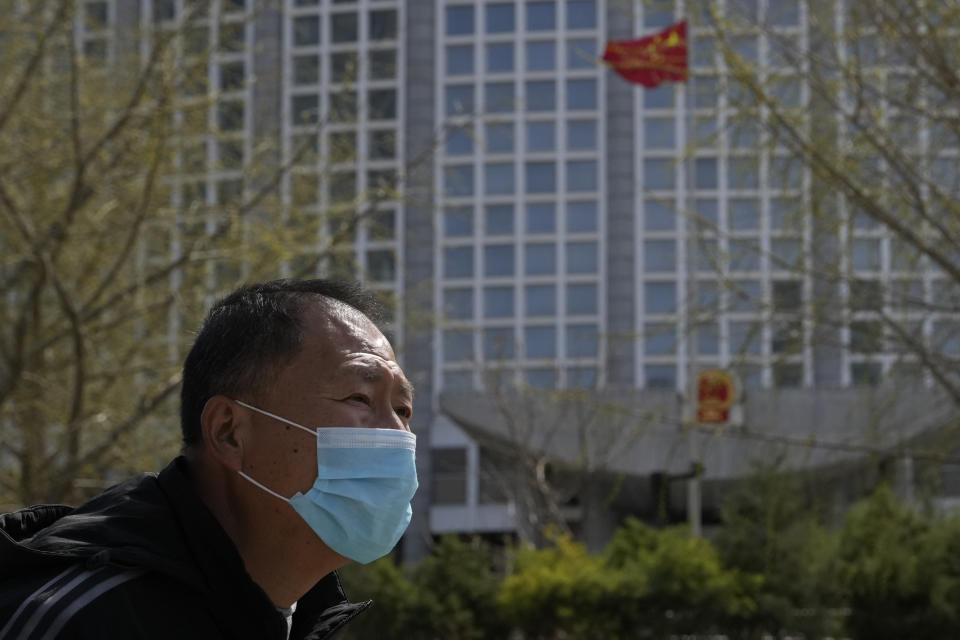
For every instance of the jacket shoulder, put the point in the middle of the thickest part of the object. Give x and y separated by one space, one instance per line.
83 602
148 607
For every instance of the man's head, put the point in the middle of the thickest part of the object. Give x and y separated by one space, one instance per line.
269 358
250 335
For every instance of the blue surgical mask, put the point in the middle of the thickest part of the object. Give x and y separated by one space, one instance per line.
359 504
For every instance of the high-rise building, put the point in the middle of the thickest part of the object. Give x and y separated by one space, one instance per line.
557 228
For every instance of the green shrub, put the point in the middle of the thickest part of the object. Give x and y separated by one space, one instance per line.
450 595
902 570
647 583
772 529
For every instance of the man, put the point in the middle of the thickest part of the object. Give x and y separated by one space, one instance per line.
298 457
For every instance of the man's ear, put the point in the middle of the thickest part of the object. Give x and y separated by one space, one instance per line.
221 423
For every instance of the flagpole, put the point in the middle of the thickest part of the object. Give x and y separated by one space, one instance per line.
694 484
649 61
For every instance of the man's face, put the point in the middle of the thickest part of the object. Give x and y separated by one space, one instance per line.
345 375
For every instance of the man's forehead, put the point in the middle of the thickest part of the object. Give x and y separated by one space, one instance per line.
343 328
347 339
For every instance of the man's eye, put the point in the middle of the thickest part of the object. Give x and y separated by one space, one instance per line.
359 397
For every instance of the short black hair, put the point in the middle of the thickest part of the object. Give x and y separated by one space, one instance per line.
248 336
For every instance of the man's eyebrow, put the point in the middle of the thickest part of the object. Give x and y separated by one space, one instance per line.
370 373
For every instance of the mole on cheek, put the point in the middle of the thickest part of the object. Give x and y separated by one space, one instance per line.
296 450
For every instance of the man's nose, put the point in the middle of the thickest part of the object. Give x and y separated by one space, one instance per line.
388 418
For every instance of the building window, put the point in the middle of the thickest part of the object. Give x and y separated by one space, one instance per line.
306 70
541 16
500 57
381 265
458 180
458 262
581 54
542 378
865 373
449 478
785 253
865 254
541 56
498 343
540 342
745 338
541 95
660 376
541 136
458 303
500 18
459 60
660 297
306 31
657 216
498 302
705 173
343 66
499 137
499 220
540 258
659 133
541 177
745 295
708 339
459 99
581 14
744 254
498 260
581 299
658 174
582 257
460 20
659 339
581 94
581 217
499 97
382 104
659 255
583 341
582 135
787 295
457 345
458 222
343 27
744 214
383 25
459 142
498 178
541 300
787 337
305 109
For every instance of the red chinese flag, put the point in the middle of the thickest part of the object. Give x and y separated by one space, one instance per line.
649 61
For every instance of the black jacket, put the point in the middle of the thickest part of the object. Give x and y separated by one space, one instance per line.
145 559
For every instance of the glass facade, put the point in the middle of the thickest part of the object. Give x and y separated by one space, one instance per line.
521 215
343 135
723 254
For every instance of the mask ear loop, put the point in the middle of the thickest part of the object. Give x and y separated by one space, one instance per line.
284 420
268 490
312 432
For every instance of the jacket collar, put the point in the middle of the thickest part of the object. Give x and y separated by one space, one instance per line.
319 613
